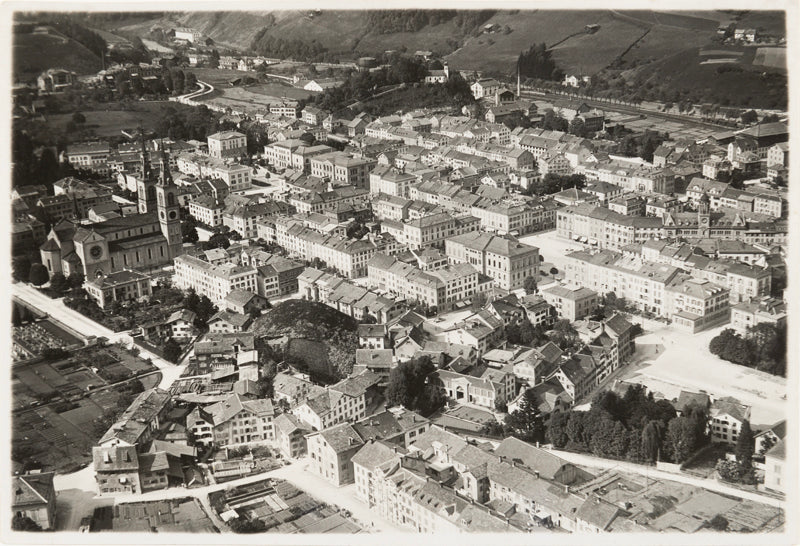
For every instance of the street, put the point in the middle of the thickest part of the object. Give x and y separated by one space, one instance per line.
551 247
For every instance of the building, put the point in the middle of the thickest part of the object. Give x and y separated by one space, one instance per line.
55 80
233 422
188 34
213 281
227 144
34 497
571 303
290 436
338 403
775 468
505 260
484 88
149 239
91 156
765 310
726 418
121 286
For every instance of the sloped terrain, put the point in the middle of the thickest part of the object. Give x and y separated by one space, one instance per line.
35 53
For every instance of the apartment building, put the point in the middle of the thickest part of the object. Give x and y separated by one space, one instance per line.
330 201
341 402
214 281
91 156
227 144
440 288
340 167
505 260
515 216
207 209
430 230
244 219
726 418
391 181
571 303
237 177
346 256
233 422
122 286
763 310
630 175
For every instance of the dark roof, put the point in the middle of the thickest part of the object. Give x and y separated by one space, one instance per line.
32 489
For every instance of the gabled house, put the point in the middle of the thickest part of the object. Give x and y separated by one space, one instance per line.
34 497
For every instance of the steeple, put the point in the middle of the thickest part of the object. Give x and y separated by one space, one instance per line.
145 156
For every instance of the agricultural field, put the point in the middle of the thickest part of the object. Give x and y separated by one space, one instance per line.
590 53
773 57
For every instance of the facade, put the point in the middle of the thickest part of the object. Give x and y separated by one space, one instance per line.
214 281
122 286
227 144
765 310
505 260
726 418
233 422
571 303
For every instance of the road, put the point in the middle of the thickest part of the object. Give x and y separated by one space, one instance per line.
651 472
75 487
87 327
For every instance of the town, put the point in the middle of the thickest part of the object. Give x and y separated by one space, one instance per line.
391 295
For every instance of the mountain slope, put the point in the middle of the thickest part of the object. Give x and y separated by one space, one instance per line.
34 53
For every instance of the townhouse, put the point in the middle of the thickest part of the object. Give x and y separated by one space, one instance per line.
340 167
348 257
430 230
341 402
227 144
571 303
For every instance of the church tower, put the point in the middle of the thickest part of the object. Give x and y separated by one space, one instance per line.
169 217
145 188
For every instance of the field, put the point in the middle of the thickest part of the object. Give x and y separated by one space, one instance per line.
111 39
662 40
117 116
774 57
34 53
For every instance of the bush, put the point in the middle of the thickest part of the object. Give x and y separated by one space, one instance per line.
554 271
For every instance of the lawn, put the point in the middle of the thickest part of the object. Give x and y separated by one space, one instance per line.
774 57
34 53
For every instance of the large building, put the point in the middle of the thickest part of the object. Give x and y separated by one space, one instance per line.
233 422
147 240
227 144
506 260
214 281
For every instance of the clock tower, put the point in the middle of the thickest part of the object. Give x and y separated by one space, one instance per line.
169 217
703 216
145 187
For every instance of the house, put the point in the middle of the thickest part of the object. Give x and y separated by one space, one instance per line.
229 322
373 336
378 361
775 468
346 400
34 497
687 399
485 87
596 515
244 301
290 435
120 286
727 416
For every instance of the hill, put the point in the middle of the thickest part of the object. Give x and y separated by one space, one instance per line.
35 52
320 339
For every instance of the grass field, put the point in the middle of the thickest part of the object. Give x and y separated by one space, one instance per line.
34 53
114 117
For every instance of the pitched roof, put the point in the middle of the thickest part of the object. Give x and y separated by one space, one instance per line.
598 512
32 489
531 456
341 437
375 454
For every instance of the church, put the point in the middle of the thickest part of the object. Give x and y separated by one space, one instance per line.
143 241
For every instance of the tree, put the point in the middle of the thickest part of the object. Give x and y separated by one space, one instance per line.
744 447
530 285
749 117
651 442
172 351
16 315
557 429
243 525
78 118
718 523
75 280
682 439
218 240
24 523
38 275
408 386
21 268
766 444
59 283
526 422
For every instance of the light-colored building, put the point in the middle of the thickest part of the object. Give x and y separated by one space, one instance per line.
34 497
227 144
505 260
766 310
726 418
122 286
233 422
214 281
571 303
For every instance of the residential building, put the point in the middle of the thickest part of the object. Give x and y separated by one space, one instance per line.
214 281
726 418
233 421
763 310
571 303
290 436
775 468
338 403
34 497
